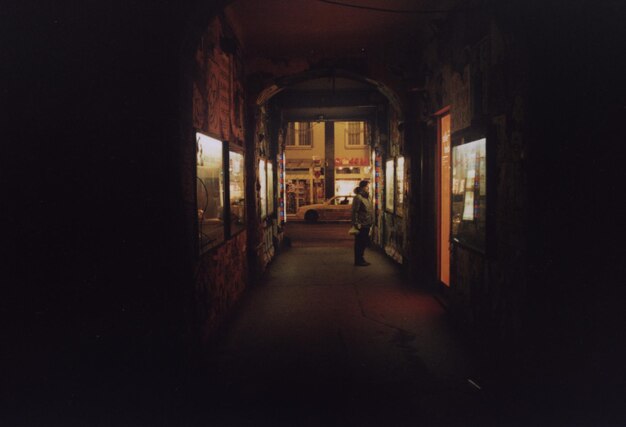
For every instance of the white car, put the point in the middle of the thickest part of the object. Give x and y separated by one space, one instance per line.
338 208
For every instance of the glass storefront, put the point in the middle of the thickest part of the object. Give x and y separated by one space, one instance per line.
298 194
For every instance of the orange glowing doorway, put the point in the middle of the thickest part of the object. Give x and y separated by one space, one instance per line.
443 216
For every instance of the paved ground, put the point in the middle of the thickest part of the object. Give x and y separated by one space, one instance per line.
328 234
323 343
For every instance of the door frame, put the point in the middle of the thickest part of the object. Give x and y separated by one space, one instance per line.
439 115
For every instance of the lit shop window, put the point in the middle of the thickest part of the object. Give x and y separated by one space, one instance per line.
237 198
209 191
374 182
281 190
345 187
400 186
263 189
349 170
469 193
270 188
389 187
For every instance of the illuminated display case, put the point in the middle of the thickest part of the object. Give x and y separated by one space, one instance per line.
281 188
400 186
209 191
236 170
389 187
377 178
469 193
263 189
270 187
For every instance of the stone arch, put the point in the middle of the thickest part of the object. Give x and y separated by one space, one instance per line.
283 82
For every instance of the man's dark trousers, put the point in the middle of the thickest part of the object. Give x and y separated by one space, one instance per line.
361 241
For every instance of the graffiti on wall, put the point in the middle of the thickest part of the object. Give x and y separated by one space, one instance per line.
459 90
217 89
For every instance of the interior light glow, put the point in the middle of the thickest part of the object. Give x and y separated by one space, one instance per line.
210 146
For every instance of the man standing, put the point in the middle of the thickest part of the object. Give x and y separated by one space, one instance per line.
362 219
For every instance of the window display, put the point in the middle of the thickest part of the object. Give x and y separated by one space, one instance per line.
270 188
345 187
298 194
389 187
400 186
377 178
209 191
469 193
263 189
373 170
237 193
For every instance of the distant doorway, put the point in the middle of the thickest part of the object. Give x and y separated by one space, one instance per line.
443 216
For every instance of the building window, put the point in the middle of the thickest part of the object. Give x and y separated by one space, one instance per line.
299 134
209 191
355 134
237 193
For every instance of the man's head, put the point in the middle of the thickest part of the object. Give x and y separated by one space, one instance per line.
364 186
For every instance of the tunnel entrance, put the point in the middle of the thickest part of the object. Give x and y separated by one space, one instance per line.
325 161
329 126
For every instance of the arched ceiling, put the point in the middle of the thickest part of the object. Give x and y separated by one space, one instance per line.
370 38
293 28
328 98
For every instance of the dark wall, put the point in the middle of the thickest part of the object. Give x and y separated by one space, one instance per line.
550 96
96 240
577 94
96 255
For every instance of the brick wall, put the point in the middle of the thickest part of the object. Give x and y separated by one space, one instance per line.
220 281
221 274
